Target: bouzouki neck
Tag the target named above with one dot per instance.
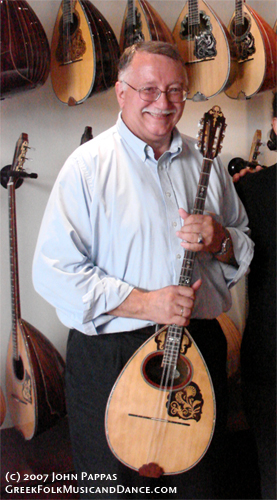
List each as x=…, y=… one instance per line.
x=239, y=13
x=211, y=136
x=193, y=13
x=18, y=161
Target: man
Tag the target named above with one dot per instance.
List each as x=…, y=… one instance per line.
x=109, y=257
x=258, y=352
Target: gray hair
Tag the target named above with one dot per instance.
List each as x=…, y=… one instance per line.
x=152, y=47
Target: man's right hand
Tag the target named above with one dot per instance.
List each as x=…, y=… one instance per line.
x=170, y=305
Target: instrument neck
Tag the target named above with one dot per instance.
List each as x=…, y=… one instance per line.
x=175, y=332
x=15, y=294
x=193, y=13
x=239, y=13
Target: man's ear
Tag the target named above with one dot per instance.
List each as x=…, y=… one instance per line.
x=120, y=93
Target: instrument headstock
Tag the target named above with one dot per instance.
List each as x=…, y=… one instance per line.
x=211, y=133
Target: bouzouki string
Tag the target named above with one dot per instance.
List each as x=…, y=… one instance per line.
x=174, y=333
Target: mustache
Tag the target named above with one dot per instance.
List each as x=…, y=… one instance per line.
x=159, y=112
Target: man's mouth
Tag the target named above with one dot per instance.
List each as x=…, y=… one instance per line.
x=159, y=112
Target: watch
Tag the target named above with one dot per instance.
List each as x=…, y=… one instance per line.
x=225, y=246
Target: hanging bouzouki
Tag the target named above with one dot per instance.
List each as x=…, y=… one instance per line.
x=84, y=52
x=205, y=45
x=141, y=23
x=34, y=368
x=256, y=47
x=25, y=53
x=160, y=415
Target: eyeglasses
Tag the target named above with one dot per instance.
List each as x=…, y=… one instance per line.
x=151, y=94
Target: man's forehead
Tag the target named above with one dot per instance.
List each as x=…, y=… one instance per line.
x=144, y=62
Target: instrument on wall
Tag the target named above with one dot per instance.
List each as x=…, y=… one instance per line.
x=34, y=368
x=160, y=415
x=205, y=45
x=84, y=52
x=141, y=23
x=25, y=53
x=87, y=135
x=256, y=45
x=237, y=164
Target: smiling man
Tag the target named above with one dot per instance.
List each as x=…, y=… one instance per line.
x=109, y=257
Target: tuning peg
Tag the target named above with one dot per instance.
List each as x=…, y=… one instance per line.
x=197, y=145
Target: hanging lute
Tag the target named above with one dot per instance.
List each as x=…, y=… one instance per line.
x=160, y=415
x=256, y=47
x=84, y=52
x=205, y=45
x=25, y=53
x=34, y=368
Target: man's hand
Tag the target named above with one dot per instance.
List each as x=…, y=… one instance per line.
x=170, y=305
x=244, y=171
x=200, y=227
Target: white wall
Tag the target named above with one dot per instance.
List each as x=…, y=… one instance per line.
x=55, y=131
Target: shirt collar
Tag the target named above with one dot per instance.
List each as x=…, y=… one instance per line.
x=140, y=147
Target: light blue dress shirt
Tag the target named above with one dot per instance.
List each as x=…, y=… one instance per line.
x=110, y=225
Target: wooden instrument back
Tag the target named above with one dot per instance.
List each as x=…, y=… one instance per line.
x=25, y=53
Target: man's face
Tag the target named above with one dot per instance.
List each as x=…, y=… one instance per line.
x=151, y=121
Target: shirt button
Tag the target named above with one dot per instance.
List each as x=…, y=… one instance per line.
x=174, y=224
x=178, y=256
x=160, y=167
x=168, y=194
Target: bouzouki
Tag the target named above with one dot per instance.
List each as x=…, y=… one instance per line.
x=25, y=53
x=141, y=23
x=160, y=415
x=237, y=164
x=256, y=47
x=205, y=45
x=84, y=52
x=34, y=368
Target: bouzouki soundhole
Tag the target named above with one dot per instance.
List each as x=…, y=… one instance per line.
x=166, y=378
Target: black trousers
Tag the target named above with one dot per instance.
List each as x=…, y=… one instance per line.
x=93, y=365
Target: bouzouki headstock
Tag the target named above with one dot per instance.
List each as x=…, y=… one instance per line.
x=20, y=153
x=211, y=133
x=14, y=174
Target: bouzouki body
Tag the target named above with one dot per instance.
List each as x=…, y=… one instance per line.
x=141, y=23
x=34, y=368
x=256, y=46
x=25, y=53
x=138, y=415
x=160, y=415
x=84, y=52
x=34, y=382
x=205, y=45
